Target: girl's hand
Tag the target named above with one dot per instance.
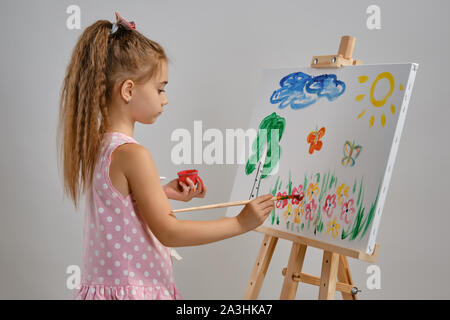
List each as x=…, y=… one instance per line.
x=256, y=212
x=177, y=190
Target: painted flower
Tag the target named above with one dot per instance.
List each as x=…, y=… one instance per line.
x=312, y=190
x=297, y=191
x=282, y=203
x=333, y=227
x=310, y=210
x=347, y=210
x=287, y=212
x=298, y=212
x=330, y=204
x=342, y=192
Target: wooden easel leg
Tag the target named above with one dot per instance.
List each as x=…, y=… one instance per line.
x=260, y=267
x=345, y=277
x=328, y=278
x=295, y=265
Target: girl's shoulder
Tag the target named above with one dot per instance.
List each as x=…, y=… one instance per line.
x=119, y=157
x=121, y=151
x=130, y=159
x=128, y=152
x=133, y=159
x=121, y=147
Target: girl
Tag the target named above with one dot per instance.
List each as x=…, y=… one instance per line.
x=116, y=76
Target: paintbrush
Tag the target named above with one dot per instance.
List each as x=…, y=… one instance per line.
x=236, y=203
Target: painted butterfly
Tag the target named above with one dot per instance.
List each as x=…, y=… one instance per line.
x=314, y=139
x=351, y=152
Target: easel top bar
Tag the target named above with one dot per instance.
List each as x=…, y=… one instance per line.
x=342, y=58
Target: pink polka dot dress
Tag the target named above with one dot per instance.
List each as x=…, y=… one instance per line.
x=122, y=259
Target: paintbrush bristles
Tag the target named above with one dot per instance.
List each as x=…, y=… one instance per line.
x=292, y=196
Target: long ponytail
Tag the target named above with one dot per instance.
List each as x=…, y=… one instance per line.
x=98, y=61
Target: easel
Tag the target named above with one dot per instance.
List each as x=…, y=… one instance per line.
x=334, y=263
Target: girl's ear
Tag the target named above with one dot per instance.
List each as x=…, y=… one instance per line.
x=126, y=90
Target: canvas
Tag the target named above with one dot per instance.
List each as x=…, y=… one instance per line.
x=331, y=136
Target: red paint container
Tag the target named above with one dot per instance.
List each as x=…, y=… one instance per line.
x=192, y=175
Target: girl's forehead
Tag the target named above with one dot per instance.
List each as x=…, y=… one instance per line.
x=163, y=70
x=161, y=77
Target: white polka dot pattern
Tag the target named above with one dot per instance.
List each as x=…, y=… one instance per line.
x=122, y=258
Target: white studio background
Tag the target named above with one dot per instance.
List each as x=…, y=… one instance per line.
x=218, y=50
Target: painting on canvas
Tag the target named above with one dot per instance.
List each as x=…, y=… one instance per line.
x=330, y=136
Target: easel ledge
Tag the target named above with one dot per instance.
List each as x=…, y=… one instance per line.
x=360, y=255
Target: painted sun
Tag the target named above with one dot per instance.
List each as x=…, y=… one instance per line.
x=376, y=102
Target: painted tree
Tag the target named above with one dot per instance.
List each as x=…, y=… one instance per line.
x=266, y=149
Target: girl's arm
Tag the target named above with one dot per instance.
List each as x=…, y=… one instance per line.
x=143, y=178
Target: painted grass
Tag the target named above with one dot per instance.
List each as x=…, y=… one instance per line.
x=328, y=184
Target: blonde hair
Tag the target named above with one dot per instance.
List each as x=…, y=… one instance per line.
x=99, y=60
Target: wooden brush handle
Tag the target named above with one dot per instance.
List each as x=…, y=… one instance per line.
x=218, y=205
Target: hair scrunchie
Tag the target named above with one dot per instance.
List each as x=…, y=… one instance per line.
x=124, y=23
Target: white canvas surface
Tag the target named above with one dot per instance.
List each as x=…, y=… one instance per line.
x=346, y=177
